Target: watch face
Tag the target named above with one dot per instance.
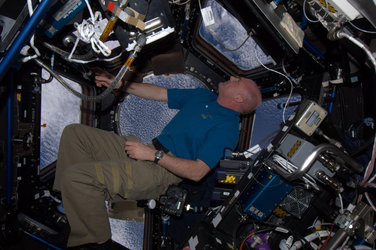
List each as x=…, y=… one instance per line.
x=159, y=154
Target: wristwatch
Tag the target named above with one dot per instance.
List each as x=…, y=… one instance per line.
x=158, y=156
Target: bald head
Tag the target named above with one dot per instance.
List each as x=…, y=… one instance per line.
x=252, y=96
x=239, y=94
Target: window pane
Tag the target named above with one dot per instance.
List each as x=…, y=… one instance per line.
x=59, y=108
x=231, y=34
x=269, y=116
x=147, y=118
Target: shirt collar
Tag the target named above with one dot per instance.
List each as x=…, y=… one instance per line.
x=227, y=110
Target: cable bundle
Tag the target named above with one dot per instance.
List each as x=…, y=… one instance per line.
x=89, y=31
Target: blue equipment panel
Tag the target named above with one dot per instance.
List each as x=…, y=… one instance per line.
x=264, y=194
x=60, y=14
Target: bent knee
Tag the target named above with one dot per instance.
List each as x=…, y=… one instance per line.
x=76, y=173
x=71, y=129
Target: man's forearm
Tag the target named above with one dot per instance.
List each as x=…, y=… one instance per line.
x=147, y=91
x=193, y=170
x=190, y=169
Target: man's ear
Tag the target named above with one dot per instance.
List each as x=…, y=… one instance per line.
x=238, y=98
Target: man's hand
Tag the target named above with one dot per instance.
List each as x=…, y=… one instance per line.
x=143, y=90
x=139, y=151
x=104, y=79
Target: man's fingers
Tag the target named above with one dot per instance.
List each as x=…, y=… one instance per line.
x=130, y=143
x=102, y=82
x=105, y=81
x=104, y=78
x=129, y=149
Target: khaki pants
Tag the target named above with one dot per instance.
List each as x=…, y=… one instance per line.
x=92, y=167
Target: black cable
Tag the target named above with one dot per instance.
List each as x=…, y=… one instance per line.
x=270, y=135
x=237, y=227
x=362, y=148
x=147, y=9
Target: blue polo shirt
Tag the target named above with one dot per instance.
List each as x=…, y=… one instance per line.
x=202, y=129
